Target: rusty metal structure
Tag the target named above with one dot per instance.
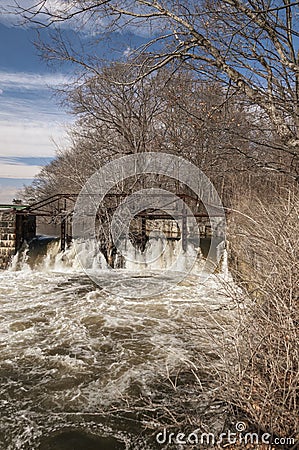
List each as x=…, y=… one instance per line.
x=59, y=210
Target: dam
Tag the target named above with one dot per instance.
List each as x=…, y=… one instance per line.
x=19, y=224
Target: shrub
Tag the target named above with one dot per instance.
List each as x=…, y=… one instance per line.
x=263, y=381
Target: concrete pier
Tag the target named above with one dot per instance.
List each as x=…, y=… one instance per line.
x=15, y=230
x=7, y=237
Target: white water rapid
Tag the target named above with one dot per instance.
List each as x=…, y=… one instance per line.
x=83, y=368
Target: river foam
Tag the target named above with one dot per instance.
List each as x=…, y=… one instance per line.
x=74, y=357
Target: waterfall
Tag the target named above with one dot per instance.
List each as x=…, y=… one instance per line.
x=20, y=260
x=50, y=258
x=159, y=254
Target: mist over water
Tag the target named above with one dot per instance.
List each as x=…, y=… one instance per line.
x=84, y=368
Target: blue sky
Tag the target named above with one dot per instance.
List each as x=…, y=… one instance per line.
x=31, y=123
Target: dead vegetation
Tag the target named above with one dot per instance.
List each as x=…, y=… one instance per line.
x=262, y=370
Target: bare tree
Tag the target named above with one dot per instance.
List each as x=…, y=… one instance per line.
x=170, y=111
x=249, y=46
x=128, y=111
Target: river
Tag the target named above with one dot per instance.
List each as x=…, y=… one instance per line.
x=82, y=368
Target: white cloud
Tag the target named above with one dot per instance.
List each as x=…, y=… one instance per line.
x=9, y=9
x=29, y=122
x=11, y=15
x=31, y=81
x=38, y=108
x=10, y=188
x=61, y=7
x=128, y=52
x=28, y=140
x=8, y=194
x=87, y=24
x=18, y=171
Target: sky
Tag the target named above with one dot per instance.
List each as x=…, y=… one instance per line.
x=32, y=124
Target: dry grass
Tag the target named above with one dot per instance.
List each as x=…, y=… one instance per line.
x=262, y=378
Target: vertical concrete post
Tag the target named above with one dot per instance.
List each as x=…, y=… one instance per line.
x=63, y=234
x=7, y=237
x=15, y=229
x=63, y=226
x=184, y=228
x=143, y=233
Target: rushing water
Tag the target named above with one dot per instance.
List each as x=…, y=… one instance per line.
x=85, y=369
